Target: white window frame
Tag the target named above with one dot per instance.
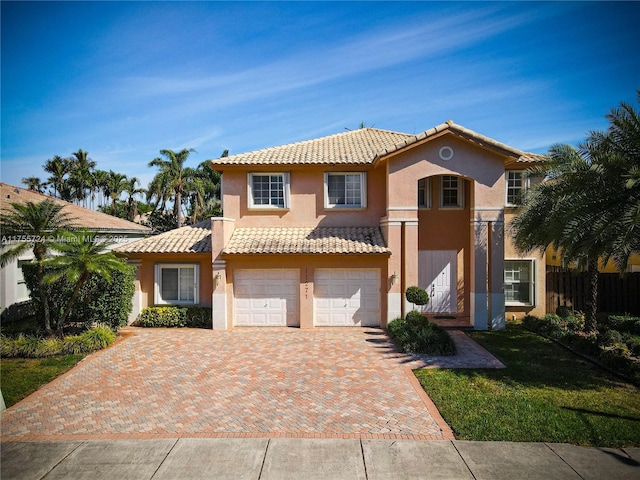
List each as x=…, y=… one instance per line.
x=425, y=201
x=460, y=194
x=532, y=283
x=363, y=191
x=523, y=187
x=158, y=300
x=285, y=192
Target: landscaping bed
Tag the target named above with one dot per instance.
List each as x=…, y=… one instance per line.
x=545, y=394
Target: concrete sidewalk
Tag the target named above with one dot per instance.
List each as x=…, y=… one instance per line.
x=302, y=459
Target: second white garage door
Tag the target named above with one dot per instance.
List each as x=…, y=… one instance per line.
x=266, y=297
x=347, y=297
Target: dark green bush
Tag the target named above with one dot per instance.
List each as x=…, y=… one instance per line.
x=420, y=336
x=417, y=296
x=17, y=311
x=24, y=346
x=621, y=323
x=163, y=317
x=415, y=318
x=194, y=317
x=199, y=317
x=563, y=311
x=102, y=301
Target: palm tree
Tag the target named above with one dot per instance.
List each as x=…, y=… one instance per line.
x=80, y=175
x=115, y=184
x=58, y=167
x=131, y=190
x=37, y=226
x=34, y=183
x=204, y=191
x=172, y=177
x=82, y=256
x=560, y=212
x=99, y=184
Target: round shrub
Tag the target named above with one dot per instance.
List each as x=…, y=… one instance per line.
x=415, y=318
x=417, y=296
x=563, y=311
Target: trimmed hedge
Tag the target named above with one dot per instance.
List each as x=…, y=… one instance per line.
x=415, y=334
x=101, y=301
x=172, y=317
x=24, y=346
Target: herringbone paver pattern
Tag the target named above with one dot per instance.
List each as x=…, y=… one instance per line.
x=246, y=382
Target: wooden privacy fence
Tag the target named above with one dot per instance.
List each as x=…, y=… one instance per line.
x=616, y=294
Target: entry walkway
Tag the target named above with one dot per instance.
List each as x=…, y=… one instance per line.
x=312, y=459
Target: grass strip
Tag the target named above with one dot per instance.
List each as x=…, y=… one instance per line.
x=19, y=377
x=546, y=394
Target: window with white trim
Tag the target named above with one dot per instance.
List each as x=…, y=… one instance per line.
x=177, y=283
x=517, y=183
x=345, y=190
x=519, y=282
x=451, y=191
x=268, y=190
x=424, y=193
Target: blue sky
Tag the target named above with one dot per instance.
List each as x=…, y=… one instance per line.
x=123, y=80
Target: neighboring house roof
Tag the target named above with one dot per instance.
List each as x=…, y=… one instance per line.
x=364, y=146
x=194, y=238
x=307, y=240
x=80, y=216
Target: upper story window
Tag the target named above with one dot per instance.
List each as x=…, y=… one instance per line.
x=268, y=190
x=517, y=183
x=424, y=193
x=345, y=190
x=177, y=283
x=451, y=192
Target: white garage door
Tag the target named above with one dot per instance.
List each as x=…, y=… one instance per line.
x=347, y=297
x=266, y=298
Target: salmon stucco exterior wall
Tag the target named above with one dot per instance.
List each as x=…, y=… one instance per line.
x=332, y=231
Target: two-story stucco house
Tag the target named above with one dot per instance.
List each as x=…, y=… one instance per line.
x=331, y=232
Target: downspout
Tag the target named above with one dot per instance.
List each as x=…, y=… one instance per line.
x=489, y=272
x=403, y=272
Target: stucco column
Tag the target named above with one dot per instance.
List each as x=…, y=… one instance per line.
x=410, y=260
x=496, y=279
x=479, y=272
x=391, y=231
x=221, y=230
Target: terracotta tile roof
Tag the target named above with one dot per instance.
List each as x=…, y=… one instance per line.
x=349, y=148
x=80, y=216
x=465, y=133
x=194, y=238
x=307, y=240
x=361, y=147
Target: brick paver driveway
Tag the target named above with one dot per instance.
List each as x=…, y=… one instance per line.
x=247, y=382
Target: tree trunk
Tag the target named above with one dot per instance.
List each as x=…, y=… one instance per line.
x=45, y=300
x=590, y=324
x=179, y=208
x=67, y=309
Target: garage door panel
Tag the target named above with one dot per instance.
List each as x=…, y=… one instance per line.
x=347, y=297
x=266, y=297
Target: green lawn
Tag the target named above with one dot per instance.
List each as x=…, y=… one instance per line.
x=21, y=376
x=546, y=394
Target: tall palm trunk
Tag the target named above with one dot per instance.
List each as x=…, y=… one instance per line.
x=45, y=300
x=72, y=300
x=590, y=324
x=179, y=207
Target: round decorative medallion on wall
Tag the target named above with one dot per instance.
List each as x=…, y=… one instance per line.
x=446, y=152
